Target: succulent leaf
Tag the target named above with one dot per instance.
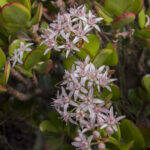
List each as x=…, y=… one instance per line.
x=2, y=59
x=123, y=20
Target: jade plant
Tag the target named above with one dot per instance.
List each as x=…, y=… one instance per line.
x=79, y=53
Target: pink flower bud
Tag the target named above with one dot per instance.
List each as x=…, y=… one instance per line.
x=109, y=130
x=101, y=146
x=96, y=134
x=77, y=139
x=100, y=121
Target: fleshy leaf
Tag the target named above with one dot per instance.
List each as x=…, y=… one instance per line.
x=38, y=15
x=106, y=56
x=47, y=126
x=136, y=6
x=2, y=59
x=123, y=20
x=3, y=2
x=146, y=82
x=69, y=62
x=2, y=89
x=90, y=48
x=129, y=132
x=25, y=72
x=7, y=72
x=16, y=13
x=142, y=18
x=116, y=7
x=44, y=67
x=26, y=3
x=145, y=132
x=103, y=13
x=33, y=58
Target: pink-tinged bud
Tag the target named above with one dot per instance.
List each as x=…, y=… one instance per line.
x=77, y=139
x=101, y=146
x=96, y=134
x=100, y=121
x=109, y=130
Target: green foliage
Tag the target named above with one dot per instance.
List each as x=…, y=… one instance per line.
x=68, y=62
x=2, y=89
x=130, y=132
x=123, y=20
x=142, y=18
x=2, y=59
x=146, y=83
x=90, y=48
x=16, y=15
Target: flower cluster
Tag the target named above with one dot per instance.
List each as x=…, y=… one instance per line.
x=80, y=103
x=69, y=29
x=18, y=53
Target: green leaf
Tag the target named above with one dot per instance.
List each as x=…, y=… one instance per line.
x=44, y=67
x=90, y=48
x=16, y=13
x=26, y=3
x=146, y=82
x=3, y=2
x=2, y=59
x=142, y=18
x=146, y=134
x=33, y=58
x=47, y=126
x=25, y=72
x=116, y=7
x=107, y=56
x=123, y=20
x=129, y=132
x=136, y=6
x=7, y=72
x=103, y=13
x=127, y=146
x=2, y=89
x=68, y=62
x=37, y=16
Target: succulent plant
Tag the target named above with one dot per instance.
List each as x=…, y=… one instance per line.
x=15, y=15
x=119, y=13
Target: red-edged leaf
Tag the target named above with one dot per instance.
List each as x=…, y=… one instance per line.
x=49, y=67
x=38, y=15
x=7, y=72
x=15, y=13
x=123, y=20
x=2, y=89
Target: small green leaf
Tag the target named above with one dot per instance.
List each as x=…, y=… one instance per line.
x=146, y=134
x=123, y=20
x=107, y=56
x=7, y=72
x=142, y=18
x=26, y=3
x=146, y=82
x=2, y=59
x=16, y=13
x=136, y=6
x=3, y=2
x=37, y=16
x=25, y=72
x=103, y=13
x=47, y=126
x=2, y=89
x=68, y=62
x=90, y=48
x=44, y=67
x=34, y=57
x=117, y=7
x=129, y=132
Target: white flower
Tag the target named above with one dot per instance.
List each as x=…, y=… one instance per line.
x=16, y=58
